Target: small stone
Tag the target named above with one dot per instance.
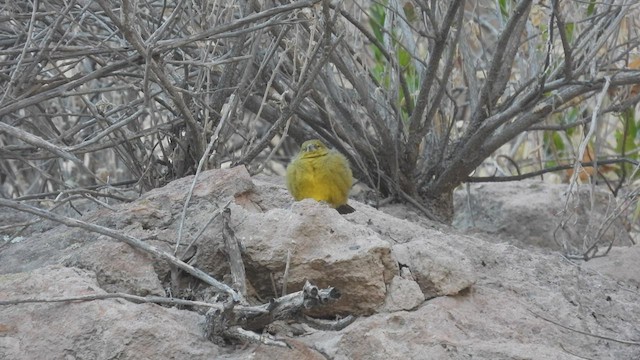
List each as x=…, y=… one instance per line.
x=402, y=294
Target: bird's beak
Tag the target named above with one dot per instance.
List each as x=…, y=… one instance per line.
x=311, y=147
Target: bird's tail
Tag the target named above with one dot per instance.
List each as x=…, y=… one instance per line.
x=345, y=209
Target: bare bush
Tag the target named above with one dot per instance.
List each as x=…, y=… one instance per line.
x=418, y=94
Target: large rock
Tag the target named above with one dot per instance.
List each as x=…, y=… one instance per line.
x=539, y=214
x=424, y=253
x=118, y=267
x=439, y=269
x=524, y=305
x=402, y=294
x=100, y=329
x=621, y=263
x=324, y=248
x=108, y=328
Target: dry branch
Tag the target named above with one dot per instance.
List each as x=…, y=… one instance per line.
x=609, y=338
x=417, y=96
x=234, y=256
x=231, y=321
x=289, y=306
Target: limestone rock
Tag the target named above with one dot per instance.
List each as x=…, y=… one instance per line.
x=450, y=328
x=325, y=249
x=529, y=214
x=403, y=294
x=522, y=306
x=100, y=329
x=118, y=267
x=622, y=263
x=438, y=269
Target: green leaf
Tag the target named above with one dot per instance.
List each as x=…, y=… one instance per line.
x=629, y=122
x=571, y=116
x=569, y=27
x=558, y=141
x=377, y=16
x=630, y=143
x=591, y=9
x=404, y=58
x=504, y=7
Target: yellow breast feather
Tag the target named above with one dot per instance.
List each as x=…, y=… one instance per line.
x=321, y=174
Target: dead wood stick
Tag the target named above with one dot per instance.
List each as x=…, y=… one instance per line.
x=250, y=311
x=201, y=231
x=132, y=298
x=39, y=142
x=239, y=333
x=329, y=325
x=285, y=276
x=233, y=254
x=621, y=341
x=213, y=140
x=288, y=306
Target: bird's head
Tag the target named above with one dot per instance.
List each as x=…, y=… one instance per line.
x=313, y=148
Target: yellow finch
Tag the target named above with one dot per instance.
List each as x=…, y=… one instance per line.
x=322, y=174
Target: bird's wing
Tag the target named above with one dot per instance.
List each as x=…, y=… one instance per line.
x=341, y=175
x=292, y=178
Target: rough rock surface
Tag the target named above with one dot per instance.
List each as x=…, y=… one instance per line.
x=103, y=329
x=118, y=267
x=485, y=298
x=323, y=247
x=539, y=214
x=107, y=329
x=523, y=306
x=622, y=263
x=438, y=269
x=403, y=294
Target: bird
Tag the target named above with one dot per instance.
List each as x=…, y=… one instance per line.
x=320, y=173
